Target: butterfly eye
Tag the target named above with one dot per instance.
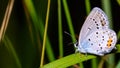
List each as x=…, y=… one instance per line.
x=76, y=44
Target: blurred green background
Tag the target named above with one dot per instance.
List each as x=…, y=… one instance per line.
x=21, y=46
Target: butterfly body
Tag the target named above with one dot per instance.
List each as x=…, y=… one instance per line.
x=95, y=36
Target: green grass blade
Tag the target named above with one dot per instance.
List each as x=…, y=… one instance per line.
x=45, y=34
x=118, y=35
x=60, y=29
x=69, y=20
x=88, y=6
x=38, y=24
x=118, y=2
x=118, y=48
x=68, y=61
x=11, y=49
x=94, y=63
x=118, y=65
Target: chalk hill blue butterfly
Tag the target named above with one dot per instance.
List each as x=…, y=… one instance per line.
x=95, y=36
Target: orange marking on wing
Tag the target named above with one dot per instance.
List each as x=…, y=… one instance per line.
x=103, y=23
x=109, y=42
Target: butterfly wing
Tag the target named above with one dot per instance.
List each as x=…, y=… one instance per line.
x=95, y=20
x=99, y=42
x=95, y=36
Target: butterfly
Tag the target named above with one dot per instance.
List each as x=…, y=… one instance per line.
x=96, y=37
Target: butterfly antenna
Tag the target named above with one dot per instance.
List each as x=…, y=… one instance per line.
x=75, y=44
x=67, y=33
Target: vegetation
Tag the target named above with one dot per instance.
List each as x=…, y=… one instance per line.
x=34, y=35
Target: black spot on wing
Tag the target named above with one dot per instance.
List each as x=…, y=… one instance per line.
x=97, y=27
x=89, y=39
x=96, y=32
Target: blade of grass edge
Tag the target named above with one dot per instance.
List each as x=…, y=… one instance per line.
x=60, y=29
x=88, y=6
x=118, y=65
x=118, y=2
x=6, y=18
x=69, y=20
x=11, y=49
x=45, y=34
x=38, y=23
x=69, y=60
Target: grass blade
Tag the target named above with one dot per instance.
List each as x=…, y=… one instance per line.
x=68, y=61
x=69, y=20
x=11, y=49
x=38, y=24
x=45, y=34
x=60, y=29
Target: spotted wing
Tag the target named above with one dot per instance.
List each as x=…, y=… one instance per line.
x=100, y=42
x=97, y=19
